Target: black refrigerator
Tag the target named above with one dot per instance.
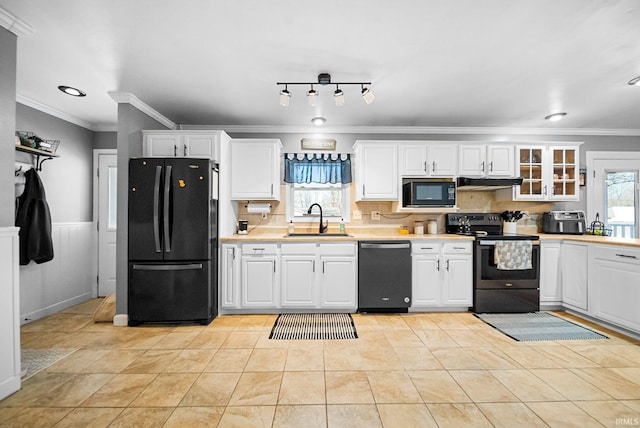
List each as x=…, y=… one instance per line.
x=172, y=240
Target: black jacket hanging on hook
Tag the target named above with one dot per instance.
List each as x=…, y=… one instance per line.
x=34, y=220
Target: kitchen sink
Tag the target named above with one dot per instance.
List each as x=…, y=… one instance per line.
x=315, y=235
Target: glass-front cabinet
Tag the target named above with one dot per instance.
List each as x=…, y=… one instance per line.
x=550, y=173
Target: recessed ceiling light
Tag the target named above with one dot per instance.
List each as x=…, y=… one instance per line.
x=555, y=117
x=635, y=81
x=72, y=91
x=318, y=121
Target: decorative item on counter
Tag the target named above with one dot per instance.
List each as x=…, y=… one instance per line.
x=597, y=228
x=433, y=227
x=243, y=226
x=418, y=228
x=404, y=230
x=342, y=227
x=292, y=227
x=509, y=219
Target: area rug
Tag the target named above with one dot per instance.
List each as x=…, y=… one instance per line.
x=313, y=327
x=538, y=326
x=34, y=361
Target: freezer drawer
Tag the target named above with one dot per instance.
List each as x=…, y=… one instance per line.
x=177, y=292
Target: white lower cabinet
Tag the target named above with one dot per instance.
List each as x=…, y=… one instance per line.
x=298, y=281
x=574, y=259
x=304, y=275
x=614, y=285
x=550, y=290
x=260, y=282
x=338, y=276
x=442, y=274
x=230, y=276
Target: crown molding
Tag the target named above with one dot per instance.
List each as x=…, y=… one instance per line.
x=14, y=24
x=29, y=102
x=129, y=98
x=421, y=130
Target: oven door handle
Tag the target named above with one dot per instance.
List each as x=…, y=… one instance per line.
x=493, y=242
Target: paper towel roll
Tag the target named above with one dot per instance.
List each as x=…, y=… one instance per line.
x=258, y=208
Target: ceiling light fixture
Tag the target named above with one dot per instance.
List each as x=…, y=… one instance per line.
x=367, y=95
x=72, y=91
x=318, y=121
x=555, y=117
x=338, y=97
x=312, y=97
x=285, y=97
x=324, y=79
x=635, y=81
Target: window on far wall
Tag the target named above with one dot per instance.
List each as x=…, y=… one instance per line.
x=333, y=198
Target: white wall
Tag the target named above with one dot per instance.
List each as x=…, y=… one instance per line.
x=68, y=279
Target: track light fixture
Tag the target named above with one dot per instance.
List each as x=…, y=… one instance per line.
x=324, y=79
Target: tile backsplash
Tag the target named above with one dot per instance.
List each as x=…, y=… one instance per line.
x=467, y=202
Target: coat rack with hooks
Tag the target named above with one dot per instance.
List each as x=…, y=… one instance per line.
x=40, y=156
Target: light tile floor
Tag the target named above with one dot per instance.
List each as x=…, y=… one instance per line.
x=411, y=370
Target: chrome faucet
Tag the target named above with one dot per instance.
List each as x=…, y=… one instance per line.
x=322, y=228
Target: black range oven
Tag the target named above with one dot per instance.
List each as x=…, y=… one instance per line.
x=497, y=289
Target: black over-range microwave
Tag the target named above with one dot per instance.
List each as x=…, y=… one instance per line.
x=428, y=192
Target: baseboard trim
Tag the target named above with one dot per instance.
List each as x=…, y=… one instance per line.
x=9, y=386
x=52, y=309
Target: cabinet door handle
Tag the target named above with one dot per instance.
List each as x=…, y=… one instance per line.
x=175, y=150
x=313, y=266
x=447, y=265
x=458, y=248
x=424, y=166
x=544, y=190
x=363, y=190
x=233, y=254
x=323, y=266
x=433, y=166
x=482, y=166
x=426, y=248
x=184, y=150
x=491, y=166
x=274, y=266
x=626, y=256
x=271, y=189
x=438, y=265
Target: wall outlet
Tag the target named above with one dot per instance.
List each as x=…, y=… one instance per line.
x=357, y=215
x=375, y=215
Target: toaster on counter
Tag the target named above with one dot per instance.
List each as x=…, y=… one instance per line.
x=564, y=222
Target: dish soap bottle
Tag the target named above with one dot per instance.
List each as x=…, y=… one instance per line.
x=342, y=229
x=292, y=227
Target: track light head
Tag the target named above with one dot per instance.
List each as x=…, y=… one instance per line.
x=367, y=95
x=285, y=97
x=312, y=97
x=338, y=97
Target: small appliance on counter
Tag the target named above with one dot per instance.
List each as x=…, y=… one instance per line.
x=564, y=222
x=243, y=226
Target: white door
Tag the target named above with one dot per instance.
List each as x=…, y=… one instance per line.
x=615, y=195
x=107, y=192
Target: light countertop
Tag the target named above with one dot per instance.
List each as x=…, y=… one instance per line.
x=372, y=234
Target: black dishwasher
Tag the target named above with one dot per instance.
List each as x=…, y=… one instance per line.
x=384, y=276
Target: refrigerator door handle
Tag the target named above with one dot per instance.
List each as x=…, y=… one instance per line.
x=189, y=266
x=166, y=219
x=156, y=209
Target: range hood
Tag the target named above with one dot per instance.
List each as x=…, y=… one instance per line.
x=487, y=184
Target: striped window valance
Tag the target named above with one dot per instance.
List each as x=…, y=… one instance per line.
x=317, y=168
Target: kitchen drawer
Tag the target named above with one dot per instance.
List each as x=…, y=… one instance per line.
x=425, y=247
x=457, y=247
x=338, y=249
x=258, y=249
x=306, y=248
x=616, y=254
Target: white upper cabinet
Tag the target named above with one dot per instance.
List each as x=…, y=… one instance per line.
x=422, y=159
x=255, y=169
x=182, y=144
x=485, y=160
x=376, y=168
x=550, y=173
